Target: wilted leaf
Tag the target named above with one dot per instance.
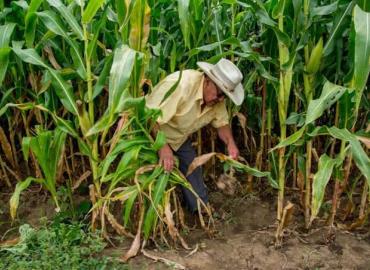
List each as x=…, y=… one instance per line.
x=135, y=246
x=14, y=200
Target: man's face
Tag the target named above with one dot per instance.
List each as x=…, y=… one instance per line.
x=212, y=94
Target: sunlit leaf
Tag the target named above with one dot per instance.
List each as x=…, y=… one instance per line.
x=320, y=180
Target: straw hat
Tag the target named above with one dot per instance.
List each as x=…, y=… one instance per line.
x=227, y=77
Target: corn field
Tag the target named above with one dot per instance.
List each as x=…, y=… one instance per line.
x=74, y=73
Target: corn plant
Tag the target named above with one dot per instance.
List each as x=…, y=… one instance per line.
x=48, y=149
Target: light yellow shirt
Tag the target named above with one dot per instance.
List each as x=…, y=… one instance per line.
x=182, y=112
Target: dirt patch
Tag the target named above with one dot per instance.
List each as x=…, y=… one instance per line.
x=245, y=240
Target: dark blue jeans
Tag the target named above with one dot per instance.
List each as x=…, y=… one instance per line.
x=186, y=155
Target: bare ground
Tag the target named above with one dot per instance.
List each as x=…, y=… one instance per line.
x=244, y=239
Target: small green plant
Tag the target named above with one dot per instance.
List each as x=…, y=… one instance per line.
x=47, y=146
x=57, y=246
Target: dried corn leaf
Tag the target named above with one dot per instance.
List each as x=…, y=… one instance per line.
x=170, y=263
x=243, y=123
x=135, y=246
x=286, y=219
x=51, y=58
x=9, y=243
x=5, y=145
x=84, y=176
x=365, y=141
x=199, y=161
x=94, y=214
x=174, y=233
x=118, y=227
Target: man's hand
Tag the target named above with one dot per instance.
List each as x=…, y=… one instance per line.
x=226, y=136
x=233, y=151
x=166, y=158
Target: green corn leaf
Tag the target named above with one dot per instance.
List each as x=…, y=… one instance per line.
x=364, y=5
x=22, y=106
x=320, y=180
x=122, y=10
x=5, y=34
x=14, y=200
x=197, y=8
x=139, y=25
x=54, y=24
x=26, y=147
x=278, y=9
x=337, y=28
x=260, y=11
x=250, y=170
x=128, y=207
x=329, y=95
x=132, y=103
x=362, y=52
x=30, y=22
x=360, y=157
x=100, y=25
x=173, y=88
x=4, y=61
x=291, y=139
x=325, y=10
x=55, y=150
x=68, y=16
x=184, y=16
x=126, y=145
x=5, y=98
x=210, y=47
x=106, y=121
x=160, y=140
x=281, y=36
x=151, y=215
x=149, y=156
x=68, y=128
x=101, y=82
x=173, y=57
x=30, y=56
x=62, y=88
x=91, y=9
x=123, y=63
x=39, y=146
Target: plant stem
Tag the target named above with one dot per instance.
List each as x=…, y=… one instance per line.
x=94, y=141
x=307, y=201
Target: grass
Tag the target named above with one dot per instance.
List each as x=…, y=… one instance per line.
x=57, y=246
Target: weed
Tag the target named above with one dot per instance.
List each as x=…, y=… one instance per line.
x=57, y=246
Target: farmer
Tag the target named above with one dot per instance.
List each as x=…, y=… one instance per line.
x=197, y=101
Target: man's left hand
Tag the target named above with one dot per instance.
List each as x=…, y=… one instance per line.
x=233, y=151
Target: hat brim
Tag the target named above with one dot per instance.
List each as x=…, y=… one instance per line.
x=237, y=96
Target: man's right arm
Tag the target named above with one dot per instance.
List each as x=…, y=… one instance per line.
x=166, y=157
x=168, y=108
